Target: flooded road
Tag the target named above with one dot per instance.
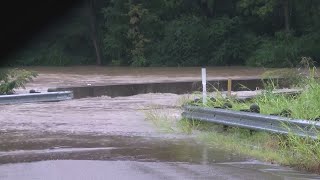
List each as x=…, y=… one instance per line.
x=110, y=138
x=121, y=115
x=66, y=156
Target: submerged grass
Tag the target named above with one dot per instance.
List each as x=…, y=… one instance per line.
x=290, y=150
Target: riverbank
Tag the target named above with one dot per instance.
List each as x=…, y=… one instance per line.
x=291, y=150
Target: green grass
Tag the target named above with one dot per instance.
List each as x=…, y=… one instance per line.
x=299, y=153
x=161, y=120
x=289, y=150
x=303, y=106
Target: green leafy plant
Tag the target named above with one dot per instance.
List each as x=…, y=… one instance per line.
x=11, y=79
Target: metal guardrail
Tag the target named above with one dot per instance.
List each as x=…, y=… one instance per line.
x=37, y=97
x=253, y=121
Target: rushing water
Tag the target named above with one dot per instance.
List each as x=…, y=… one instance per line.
x=109, y=138
x=51, y=77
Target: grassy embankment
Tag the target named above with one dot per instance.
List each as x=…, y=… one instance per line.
x=291, y=150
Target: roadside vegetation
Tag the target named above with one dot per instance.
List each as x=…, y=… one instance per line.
x=301, y=105
x=289, y=150
x=11, y=79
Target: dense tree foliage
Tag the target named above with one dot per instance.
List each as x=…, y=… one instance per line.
x=270, y=33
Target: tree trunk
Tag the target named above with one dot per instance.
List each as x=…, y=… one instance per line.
x=286, y=15
x=93, y=32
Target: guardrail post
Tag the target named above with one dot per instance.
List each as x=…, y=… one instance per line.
x=204, y=85
x=229, y=86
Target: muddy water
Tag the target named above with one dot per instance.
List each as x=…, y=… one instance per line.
x=109, y=138
x=99, y=115
x=65, y=156
x=51, y=77
x=149, y=71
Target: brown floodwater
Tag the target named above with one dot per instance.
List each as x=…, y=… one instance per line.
x=52, y=77
x=160, y=71
x=90, y=156
x=110, y=138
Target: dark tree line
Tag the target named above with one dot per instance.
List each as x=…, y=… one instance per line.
x=270, y=33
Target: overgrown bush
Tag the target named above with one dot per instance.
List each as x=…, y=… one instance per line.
x=282, y=51
x=11, y=79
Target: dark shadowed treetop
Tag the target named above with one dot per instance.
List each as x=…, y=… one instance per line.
x=269, y=33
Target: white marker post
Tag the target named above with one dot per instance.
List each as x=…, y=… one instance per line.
x=204, y=85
